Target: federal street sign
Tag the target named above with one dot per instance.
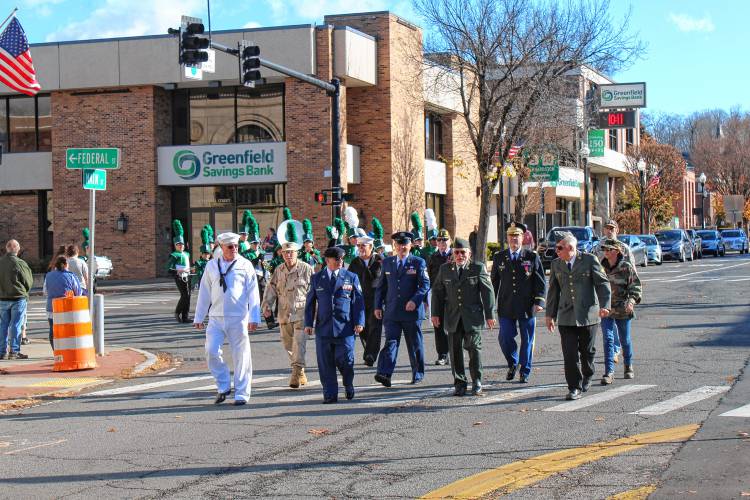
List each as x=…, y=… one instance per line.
x=94, y=178
x=596, y=142
x=108, y=158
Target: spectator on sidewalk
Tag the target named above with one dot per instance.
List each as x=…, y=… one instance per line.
x=56, y=284
x=15, y=282
x=77, y=266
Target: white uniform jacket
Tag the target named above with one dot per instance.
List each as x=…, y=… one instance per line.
x=241, y=301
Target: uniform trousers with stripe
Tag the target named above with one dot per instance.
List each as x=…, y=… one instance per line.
x=509, y=329
x=414, y=345
x=234, y=331
x=578, y=341
x=335, y=353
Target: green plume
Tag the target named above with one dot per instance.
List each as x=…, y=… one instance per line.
x=210, y=232
x=246, y=215
x=206, y=238
x=329, y=232
x=416, y=221
x=291, y=232
x=86, y=234
x=252, y=226
x=377, y=229
x=307, y=229
x=177, y=228
x=340, y=226
x=287, y=214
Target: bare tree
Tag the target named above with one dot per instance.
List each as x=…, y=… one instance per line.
x=407, y=172
x=510, y=58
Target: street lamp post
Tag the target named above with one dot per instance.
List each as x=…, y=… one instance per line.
x=704, y=194
x=585, y=152
x=642, y=181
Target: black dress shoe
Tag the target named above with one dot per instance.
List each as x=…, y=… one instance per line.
x=524, y=379
x=442, y=361
x=239, y=402
x=511, y=372
x=574, y=394
x=328, y=401
x=369, y=361
x=586, y=384
x=350, y=393
x=460, y=391
x=18, y=355
x=221, y=397
x=386, y=381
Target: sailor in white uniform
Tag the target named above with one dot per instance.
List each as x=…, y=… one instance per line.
x=229, y=297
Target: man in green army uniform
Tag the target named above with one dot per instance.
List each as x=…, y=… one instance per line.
x=463, y=296
x=178, y=265
x=308, y=253
x=207, y=236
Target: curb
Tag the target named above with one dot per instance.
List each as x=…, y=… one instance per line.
x=145, y=365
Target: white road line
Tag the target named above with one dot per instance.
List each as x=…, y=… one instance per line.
x=712, y=270
x=42, y=445
x=682, y=400
x=599, y=398
x=742, y=411
x=181, y=392
x=151, y=385
x=738, y=279
x=514, y=394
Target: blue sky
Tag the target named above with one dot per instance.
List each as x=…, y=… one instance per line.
x=698, y=51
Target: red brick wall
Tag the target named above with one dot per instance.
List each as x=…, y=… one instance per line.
x=19, y=221
x=137, y=122
x=462, y=178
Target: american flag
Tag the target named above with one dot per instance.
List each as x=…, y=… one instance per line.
x=653, y=182
x=16, y=67
x=514, y=150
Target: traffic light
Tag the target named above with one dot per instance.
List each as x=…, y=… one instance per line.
x=192, y=45
x=249, y=63
x=321, y=198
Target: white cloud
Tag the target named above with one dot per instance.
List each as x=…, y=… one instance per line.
x=251, y=24
x=117, y=18
x=687, y=24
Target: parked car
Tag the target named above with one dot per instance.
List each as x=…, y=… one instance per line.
x=675, y=244
x=697, y=243
x=735, y=240
x=712, y=242
x=637, y=248
x=653, y=249
x=588, y=241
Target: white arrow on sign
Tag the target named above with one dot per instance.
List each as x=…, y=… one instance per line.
x=72, y=158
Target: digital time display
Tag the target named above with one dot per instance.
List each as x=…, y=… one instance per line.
x=617, y=119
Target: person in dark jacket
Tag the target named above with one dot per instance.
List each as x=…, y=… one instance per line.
x=518, y=280
x=442, y=255
x=57, y=284
x=367, y=266
x=15, y=282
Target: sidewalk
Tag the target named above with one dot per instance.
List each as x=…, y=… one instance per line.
x=26, y=379
x=118, y=286
x=715, y=462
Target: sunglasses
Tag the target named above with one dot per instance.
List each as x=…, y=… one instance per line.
x=459, y=252
x=231, y=245
x=559, y=247
x=442, y=239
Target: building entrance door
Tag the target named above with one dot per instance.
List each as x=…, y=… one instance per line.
x=221, y=219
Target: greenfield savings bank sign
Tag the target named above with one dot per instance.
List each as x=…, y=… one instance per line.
x=252, y=163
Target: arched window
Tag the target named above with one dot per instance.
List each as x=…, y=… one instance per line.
x=252, y=133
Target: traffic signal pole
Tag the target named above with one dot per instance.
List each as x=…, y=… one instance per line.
x=333, y=89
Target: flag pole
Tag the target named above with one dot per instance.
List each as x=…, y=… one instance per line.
x=10, y=16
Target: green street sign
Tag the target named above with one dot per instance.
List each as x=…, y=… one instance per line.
x=76, y=158
x=544, y=173
x=95, y=179
x=596, y=142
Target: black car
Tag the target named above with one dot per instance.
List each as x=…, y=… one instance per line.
x=588, y=241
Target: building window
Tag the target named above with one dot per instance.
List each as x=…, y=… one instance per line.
x=613, y=139
x=629, y=135
x=433, y=136
x=437, y=203
x=25, y=124
x=237, y=114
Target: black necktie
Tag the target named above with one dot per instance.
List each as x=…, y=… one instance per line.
x=400, y=266
x=460, y=272
x=570, y=266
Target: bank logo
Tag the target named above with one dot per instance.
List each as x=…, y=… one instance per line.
x=186, y=164
x=607, y=95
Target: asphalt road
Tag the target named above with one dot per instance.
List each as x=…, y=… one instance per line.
x=691, y=342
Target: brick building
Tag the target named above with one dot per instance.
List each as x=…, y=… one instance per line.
x=203, y=151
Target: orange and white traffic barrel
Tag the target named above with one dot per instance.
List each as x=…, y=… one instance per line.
x=72, y=337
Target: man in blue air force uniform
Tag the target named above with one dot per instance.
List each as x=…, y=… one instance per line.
x=399, y=298
x=336, y=309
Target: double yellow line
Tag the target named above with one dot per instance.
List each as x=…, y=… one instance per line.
x=523, y=473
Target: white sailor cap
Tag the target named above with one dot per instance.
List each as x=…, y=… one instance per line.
x=364, y=240
x=228, y=238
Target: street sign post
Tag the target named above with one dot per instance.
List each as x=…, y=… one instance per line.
x=76, y=158
x=596, y=143
x=94, y=179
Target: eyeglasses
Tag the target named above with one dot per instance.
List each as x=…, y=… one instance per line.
x=459, y=252
x=231, y=245
x=559, y=248
x=442, y=239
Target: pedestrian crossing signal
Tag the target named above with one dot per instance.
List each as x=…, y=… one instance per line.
x=321, y=198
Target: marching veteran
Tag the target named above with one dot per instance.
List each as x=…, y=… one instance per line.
x=578, y=297
x=336, y=310
x=399, y=297
x=462, y=297
x=288, y=287
x=228, y=295
x=518, y=280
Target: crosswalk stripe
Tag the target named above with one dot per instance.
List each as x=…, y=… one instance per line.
x=599, y=398
x=212, y=387
x=151, y=385
x=742, y=411
x=682, y=400
x=514, y=394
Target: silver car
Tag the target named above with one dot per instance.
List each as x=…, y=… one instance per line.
x=735, y=240
x=637, y=248
x=653, y=249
